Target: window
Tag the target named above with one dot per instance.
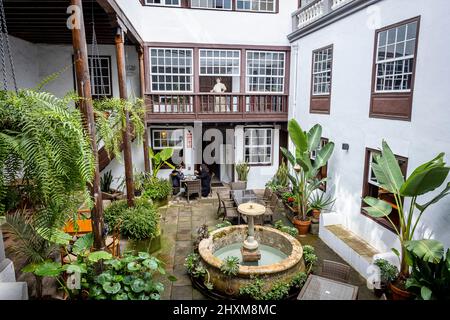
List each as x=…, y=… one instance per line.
x=220, y=62
x=394, y=64
x=101, y=81
x=171, y=70
x=212, y=4
x=173, y=138
x=265, y=71
x=258, y=146
x=321, y=73
x=323, y=172
x=256, y=5
x=173, y=3
x=372, y=188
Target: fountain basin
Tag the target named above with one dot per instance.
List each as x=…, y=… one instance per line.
x=287, y=248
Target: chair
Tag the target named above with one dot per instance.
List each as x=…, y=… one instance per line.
x=230, y=213
x=335, y=271
x=112, y=242
x=228, y=203
x=267, y=194
x=271, y=208
x=239, y=185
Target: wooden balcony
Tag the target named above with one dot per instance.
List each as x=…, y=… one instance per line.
x=211, y=107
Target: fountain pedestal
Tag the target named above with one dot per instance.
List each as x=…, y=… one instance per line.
x=249, y=250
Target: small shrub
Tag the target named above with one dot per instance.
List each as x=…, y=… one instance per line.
x=388, y=272
x=299, y=280
x=230, y=266
x=223, y=224
x=253, y=290
x=191, y=262
x=309, y=255
x=279, y=291
x=138, y=222
x=286, y=229
x=157, y=189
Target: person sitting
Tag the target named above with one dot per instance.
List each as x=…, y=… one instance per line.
x=177, y=175
x=205, y=178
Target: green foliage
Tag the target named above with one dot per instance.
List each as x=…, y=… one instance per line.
x=43, y=143
x=110, y=116
x=430, y=276
x=105, y=182
x=304, y=182
x=279, y=291
x=310, y=257
x=425, y=178
x=286, y=229
x=253, y=290
x=280, y=180
x=156, y=189
x=191, y=262
x=388, y=272
x=159, y=159
x=202, y=233
x=242, y=170
x=230, y=266
x=138, y=222
x=196, y=269
x=223, y=224
x=299, y=280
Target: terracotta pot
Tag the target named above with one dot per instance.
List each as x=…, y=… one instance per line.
x=316, y=214
x=399, y=294
x=302, y=226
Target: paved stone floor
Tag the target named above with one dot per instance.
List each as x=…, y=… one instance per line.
x=180, y=221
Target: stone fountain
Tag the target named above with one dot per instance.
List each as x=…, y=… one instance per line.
x=250, y=248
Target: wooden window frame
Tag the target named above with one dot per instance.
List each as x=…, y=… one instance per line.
x=321, y=103
x=365, y=189
x=261, y=164
x=393, y=105
x=158, y=149
x=248, y=76
x=186, y=4
x=111, y=86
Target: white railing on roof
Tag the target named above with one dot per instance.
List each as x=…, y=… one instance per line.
x=315, y=10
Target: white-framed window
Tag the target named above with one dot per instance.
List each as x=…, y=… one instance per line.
x=100, y=72
x=372, y=179
x=256, y=5
x=212, y=4
x=258, y=144
x=321, y=74
x=167, y=138
x=395, y=58
x=171, y=70
x=220, y=62
x=170, y=3
x=265, y=71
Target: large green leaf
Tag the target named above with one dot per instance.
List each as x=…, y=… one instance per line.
x=166, y=154
x=426, y=177
x=314, y=135
x=288, y=155
x=111, y=287
x=298, y=136
x=441, y=195
x=324, y=155
x=427, y=249
x=83, y=244
x=54, y=235
x=75, y=268
x=99, y=255
x=389, y=164
x=426, y=293
x=48, y=269
x=138, y=285
x=377, y=208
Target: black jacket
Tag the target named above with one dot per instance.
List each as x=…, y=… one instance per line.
x=206, y=181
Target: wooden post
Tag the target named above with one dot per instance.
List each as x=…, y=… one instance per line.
x=121, y=71
x=86, y=107
x=142, y=80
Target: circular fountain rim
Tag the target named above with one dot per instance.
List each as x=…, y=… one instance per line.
x=293, y=259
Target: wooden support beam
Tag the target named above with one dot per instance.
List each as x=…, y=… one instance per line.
x=122, y=75
x=86, y=107
x=142, y=83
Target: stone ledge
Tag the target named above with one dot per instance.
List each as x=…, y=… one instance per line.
x=356, y=243
x=13, y=291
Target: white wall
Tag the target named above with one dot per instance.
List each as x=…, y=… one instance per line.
x=258, y=176
x=169, y=24
x=419, y=140
x=26, y=68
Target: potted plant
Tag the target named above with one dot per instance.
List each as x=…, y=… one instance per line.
x=320, y=202
x=424, y=179
x=388, y=273
x=305, y=181
x=242, y=170
x=430, y=276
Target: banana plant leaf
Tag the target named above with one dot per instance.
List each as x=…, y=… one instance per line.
x=377, y=208
x=83, y=244
x=441, y=195
x=389, y=165
x=428, y=250
x=324, y=155
x=298, y=136
x=314, y=135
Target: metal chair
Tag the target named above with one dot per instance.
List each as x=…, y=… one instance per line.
x=230, y=213
x=335, y=271
x=239, y=185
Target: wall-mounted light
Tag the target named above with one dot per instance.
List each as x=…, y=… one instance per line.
x=345, y=146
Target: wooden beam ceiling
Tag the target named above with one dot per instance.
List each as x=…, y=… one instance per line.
x=44, y=21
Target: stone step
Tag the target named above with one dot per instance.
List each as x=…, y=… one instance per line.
x=352, y=248
x=13, y=291
x=7, y=273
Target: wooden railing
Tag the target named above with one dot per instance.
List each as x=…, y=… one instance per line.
x=216, y=107
x=315, y=10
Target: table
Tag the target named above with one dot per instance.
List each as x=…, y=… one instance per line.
x=320, y=288
x=192, y=186
x=243, y=196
